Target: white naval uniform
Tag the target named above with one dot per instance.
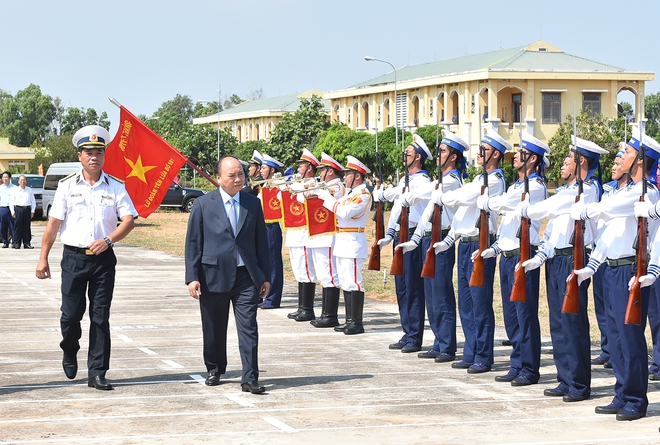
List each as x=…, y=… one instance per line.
x=320, y=247
x=350, y=250
x=450, y=181
x=416, y=180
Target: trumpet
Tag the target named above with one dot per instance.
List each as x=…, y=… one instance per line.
x=319, y=186
x=276, y=180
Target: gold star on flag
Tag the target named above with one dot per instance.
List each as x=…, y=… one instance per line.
x=138, y=170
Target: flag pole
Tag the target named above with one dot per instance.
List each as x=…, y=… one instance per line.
x=199, y=170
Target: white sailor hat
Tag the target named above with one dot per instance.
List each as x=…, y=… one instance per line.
x=271, y=162
x=587, y=148
x=257, y=158
x=91, y=136
x=534, y=145
x=496, y=141
x=420, y=147
x=352, y=163
x=453, y=141
x=651, y=145
x=307, y=156
x=327, y=161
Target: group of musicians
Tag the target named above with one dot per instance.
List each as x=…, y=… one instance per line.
x=325, y=220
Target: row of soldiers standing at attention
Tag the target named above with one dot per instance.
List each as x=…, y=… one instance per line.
x=325, y=221
x=606, y=217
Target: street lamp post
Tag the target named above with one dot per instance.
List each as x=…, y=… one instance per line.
x=396, y=127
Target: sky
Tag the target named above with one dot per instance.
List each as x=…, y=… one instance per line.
x=145, y=52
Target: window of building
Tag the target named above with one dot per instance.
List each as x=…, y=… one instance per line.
x=431, y=108
x=591, y=103
x=551, y=108
x=516, y=107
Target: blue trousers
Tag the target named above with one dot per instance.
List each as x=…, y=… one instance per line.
x=92, y=276
x=410, y=297
x=441, y=300
x=274, y=297
x=599, y=306
x=628, y=353
x=571, y=343
x=521, y=320
x=6, y=225
x=654, y=324
x=475, y=307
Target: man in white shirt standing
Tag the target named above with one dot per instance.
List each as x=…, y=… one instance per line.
x=6, y=221
x=21, y=206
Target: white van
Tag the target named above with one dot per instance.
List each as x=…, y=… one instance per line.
x=55, y=173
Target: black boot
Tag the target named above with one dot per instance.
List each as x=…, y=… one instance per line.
x=330, y=306
x=307, y=309
x=347, y=305
x=300, y=292
x=357, y=307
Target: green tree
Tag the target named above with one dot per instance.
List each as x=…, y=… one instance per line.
x=607, y=133
x=75, y=118
x=57, y=148
x=244, y=151
x=652, y=113
x=173, y=117
x=200, y=142
x=299, y=130
x=27, y=117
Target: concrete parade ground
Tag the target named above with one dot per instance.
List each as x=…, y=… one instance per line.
x=323, y=387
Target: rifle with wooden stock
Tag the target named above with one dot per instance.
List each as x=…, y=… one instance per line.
x=519, y=289
x=428, y=271
x=379, y=218
x=478, y=272
x=634, y=308
x=571, y=303
x=397, y=260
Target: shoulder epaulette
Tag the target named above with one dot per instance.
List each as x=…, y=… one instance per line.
x=116, y=179
x=540, y=180
x=455, y=176
x=68, y=177
x=499, y=175
x=589, y=181
x=426, y=175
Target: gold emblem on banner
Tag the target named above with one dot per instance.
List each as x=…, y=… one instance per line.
x=296, y=208
x=321, y=215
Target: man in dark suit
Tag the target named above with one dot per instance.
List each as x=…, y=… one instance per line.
x=223, y=264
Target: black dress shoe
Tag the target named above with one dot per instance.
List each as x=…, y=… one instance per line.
x=461, y=365
x=608, y=365
x=409, y=349
x=559, y=391
x=253, y=386
x=521, y=380
x=213, y=379
x=630, y=415
x=70, y=366
x=99, y=382
x=397, y=345
x=508, y=377
x=574, y=398
x=4, y=246
x=506, y=343
x=608, y=409
x=28, y=247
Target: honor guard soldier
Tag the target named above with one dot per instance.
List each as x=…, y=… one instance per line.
x=84, y=212
x=439, y=289
x=6, y=221
x=521, y=319
x=350, y=251
x=253, y=174
x=410, y=286
x=569, y=332
x=322, y=227
x=271, y=203
x=297, y=236
x=628, y=352
x=475, y=303
x=619, y=181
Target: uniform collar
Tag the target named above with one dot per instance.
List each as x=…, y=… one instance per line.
x=104, y=177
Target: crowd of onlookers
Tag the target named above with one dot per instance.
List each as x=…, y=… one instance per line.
x=17, y=206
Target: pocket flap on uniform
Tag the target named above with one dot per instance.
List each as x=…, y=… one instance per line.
x=209, y=260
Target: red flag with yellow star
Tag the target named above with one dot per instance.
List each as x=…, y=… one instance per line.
x=144, y=161
x=320, y=221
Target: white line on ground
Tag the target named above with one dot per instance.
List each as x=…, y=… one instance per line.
x=198, y=378
x=173, y=364
x=125, y=338
x=279, y=424
x=238, y=399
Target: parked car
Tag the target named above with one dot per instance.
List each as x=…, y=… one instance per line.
x=36, y=183
x=55, y=173
x=181, y=197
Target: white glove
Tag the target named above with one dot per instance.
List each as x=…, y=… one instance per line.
x=489, y=253
x=385, y=241
x=441, y=247
x=378, y=193
x=642, y=209
x=323, y=194
x=409, y=199
x=407, y=246
x=583, y=274
x=533, y=263
x=521, y=210
x=578, y=208
x=436, y=196
x=482, y=200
